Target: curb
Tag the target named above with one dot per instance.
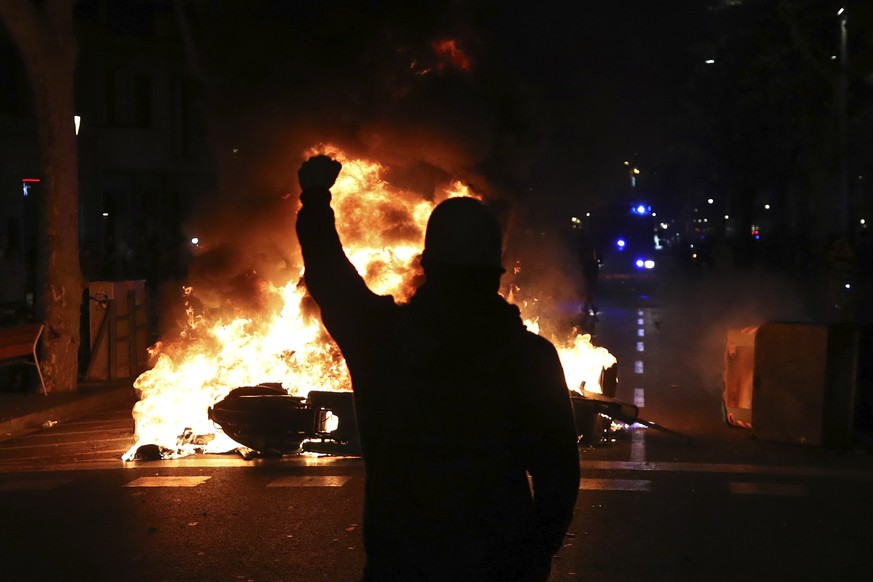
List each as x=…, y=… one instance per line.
x=62, y=412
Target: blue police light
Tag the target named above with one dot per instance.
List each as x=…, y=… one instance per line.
x=641, y=210
x=620, y=244
x=647, y=264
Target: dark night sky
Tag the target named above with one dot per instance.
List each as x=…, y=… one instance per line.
x=557, y=95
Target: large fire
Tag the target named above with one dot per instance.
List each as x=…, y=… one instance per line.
x=382, y=229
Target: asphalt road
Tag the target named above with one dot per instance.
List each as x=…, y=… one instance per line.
x=724, y=506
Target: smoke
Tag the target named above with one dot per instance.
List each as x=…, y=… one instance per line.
x=542, y=276
x=705, y=306
x=389, y=92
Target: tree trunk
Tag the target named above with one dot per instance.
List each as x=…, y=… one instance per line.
x=47, y=43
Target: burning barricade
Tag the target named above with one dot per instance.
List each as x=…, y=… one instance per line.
x=205, y=392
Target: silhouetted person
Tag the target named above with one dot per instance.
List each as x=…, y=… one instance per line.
x=457, y=403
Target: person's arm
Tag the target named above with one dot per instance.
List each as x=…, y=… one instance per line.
x=553, y=454
x=338, y=289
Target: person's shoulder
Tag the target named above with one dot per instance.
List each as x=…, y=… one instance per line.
x=537, y=343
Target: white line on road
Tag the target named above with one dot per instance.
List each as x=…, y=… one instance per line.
x=33, y=484
x=641, y=333
x=638, y=446
x=73, y=430
x=615, y=484
x=168, y=481
x=785, y=489
x=639, y=367
x=641, y=346
x=639, y=398
x=127, y=439
x=42, y=465
x=728, y=468
x=311, y=481
x=356, y=464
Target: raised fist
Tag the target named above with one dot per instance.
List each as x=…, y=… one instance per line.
x=318, y=172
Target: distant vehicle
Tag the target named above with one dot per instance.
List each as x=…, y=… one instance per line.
x=625, y=236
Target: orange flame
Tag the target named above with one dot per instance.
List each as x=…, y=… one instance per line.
x=382, y=229
x=450, y=53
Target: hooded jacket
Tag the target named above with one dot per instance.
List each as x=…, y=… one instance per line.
x=465, y=421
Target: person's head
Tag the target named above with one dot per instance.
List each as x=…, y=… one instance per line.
x=463, y=245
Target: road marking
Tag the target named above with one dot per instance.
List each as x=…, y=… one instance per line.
x=311, y=481
x=641, y=333
x=129, y=439
x=91, y=459
x=639, y=398
x=641, y=347
x=727, y=468
x=641, y=321
x=615, y=484
x=168, y=481
x=72, y=430
x=33, y=484
x=638, y=446
x=42, y=465
x=784, y=489
x=640, y=312
x=639, y=367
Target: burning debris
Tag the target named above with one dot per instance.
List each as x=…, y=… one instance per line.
x=268, y=421
x=205, y=382
x=601, y=419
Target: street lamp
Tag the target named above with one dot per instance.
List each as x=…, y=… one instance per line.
x=842, y=104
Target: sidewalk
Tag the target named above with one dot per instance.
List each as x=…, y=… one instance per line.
x=21, y=413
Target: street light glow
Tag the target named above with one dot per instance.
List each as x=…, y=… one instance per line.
x=840, y=11
x=710, y=61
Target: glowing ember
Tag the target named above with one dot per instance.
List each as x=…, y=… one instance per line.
x=448, y=50
x=382, y=229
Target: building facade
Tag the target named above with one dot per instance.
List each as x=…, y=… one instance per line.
x=142, y=150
